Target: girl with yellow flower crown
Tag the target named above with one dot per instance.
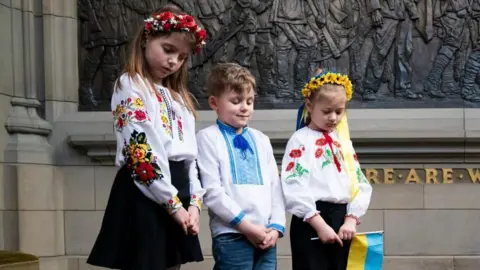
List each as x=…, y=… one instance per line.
x=151, y=221
x=324, y=188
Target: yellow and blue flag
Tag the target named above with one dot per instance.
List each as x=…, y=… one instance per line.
x=366, y=252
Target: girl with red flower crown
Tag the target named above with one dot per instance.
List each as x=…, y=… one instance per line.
x=324, y=187
x=151, y=221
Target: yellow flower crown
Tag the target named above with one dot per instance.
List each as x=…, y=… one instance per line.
x=328, y=77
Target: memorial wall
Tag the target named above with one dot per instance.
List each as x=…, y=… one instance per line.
x=414, y=117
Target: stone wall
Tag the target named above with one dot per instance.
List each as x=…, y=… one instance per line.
x=427, y=226
x=56, y=164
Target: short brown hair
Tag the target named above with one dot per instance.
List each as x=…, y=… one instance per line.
x=229, y=76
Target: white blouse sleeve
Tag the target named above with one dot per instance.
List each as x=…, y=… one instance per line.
x=196, y=189
x=359, y=205
x=216, y=199
x=295, y=177
x=277, y=219
x=143, y=149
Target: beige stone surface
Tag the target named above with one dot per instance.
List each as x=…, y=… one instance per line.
x=458, y=196
x=104, y=177
x=418, y=263
x=6, y=57
x=39, y=188
x=397, y=197
x=81, y=230
x=466, y=262
x=432, y=232
x=55, y=263
x=79, y=187
x=8, y=230
x=41, y=232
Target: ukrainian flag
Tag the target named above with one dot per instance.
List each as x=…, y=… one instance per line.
x=366, y=252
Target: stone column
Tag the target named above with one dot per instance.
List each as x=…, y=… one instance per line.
x=37, y=184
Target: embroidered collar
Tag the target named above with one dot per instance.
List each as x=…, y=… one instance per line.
x=239, y=140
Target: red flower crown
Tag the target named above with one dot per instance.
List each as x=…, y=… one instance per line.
x=168, y=22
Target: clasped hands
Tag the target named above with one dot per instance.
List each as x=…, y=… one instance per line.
x=189, y=221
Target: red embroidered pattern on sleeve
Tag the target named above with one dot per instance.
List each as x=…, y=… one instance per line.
x=172, y=205
x=130, y=110
x=195, y=201
x=141, y=160
x=294, y=168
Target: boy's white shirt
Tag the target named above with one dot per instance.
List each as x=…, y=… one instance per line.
x=230, y=203
x=320, y=180
x=176, y=144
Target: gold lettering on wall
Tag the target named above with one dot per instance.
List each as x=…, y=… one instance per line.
x=430, y=176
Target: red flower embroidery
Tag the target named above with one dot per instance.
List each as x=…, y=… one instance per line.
x=290, y=166
x=140, y=115
x=296, y=153
x=355, y=157
x=194, y=196
x=159, y=98
x=321, y=142
x=145, y=172
x=337, y=144
x=319, y=153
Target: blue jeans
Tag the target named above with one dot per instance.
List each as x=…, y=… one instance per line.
x=233, y=251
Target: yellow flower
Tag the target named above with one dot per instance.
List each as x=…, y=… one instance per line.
x=120, y=109
x=333, y=78
x=164, y=119
x=138, y=152
x=139, y=102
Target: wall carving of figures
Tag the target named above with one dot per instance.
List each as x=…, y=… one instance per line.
x=398, y=53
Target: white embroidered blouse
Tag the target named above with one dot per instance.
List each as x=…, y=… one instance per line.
x=313, y=170
x=239, y=184
x=151, y=129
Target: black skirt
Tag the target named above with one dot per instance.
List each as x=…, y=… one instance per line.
x=308, y=254
x=139, y=234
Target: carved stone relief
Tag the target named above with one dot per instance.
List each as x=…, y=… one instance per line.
x=398, y=53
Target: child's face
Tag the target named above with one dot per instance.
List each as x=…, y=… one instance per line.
x=232, y=108
x=166, y=54
x=329, y=108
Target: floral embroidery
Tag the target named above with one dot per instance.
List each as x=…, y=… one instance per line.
x=195, y=201
x=140, y=159
x=319, y=153
x=180, y=128
x=165, y=113
x=131, y=110
x=172, y=205
x=296, y=169
x=321, y=142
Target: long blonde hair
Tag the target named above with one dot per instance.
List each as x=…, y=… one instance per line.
x=176, y=82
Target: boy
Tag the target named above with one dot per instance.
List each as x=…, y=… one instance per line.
x=240, y=176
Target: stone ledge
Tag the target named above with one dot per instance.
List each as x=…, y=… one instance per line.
x=380, y=136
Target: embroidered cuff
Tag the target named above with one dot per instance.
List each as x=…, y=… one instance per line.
x=195, y=201
x=235, y=221
x=277, y=227
x=173, y=205
x=354, y=217
x=310, y=215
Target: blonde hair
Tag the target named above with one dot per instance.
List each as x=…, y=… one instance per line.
x=229, y=76
x=176, y=82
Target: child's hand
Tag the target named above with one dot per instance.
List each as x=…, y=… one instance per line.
x=328, y=235
x=256, y=234
x=271, y=239
x=194, y=222
x=182, y=218
x=324, y=232
x=348, y=229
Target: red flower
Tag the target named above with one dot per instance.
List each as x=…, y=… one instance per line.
x=164, y=16
x=187, y=22
x=355, y=156
x=337, y=144
x=290, y=166
x=129, y=100
x=194, y=196
x=145, y=172
x=180, y=125
x=120, y=123
x=148, y=26
x=129, y=113
x=318, y=153
x=295, y=153
x=159, y=98
x=140, y=115
x=202, y=34
x=321, y=142
x=167, y=26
